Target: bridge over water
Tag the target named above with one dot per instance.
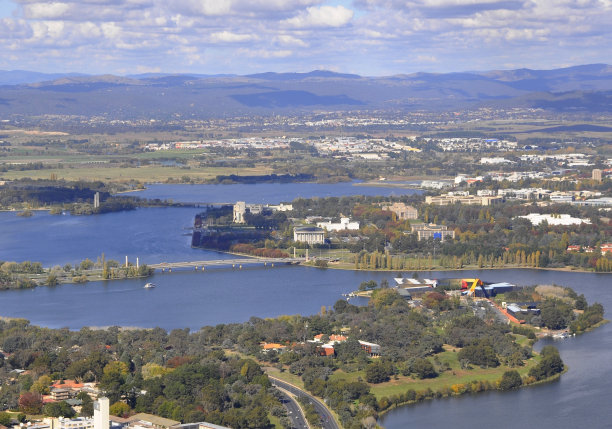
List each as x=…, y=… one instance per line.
x=235, y=263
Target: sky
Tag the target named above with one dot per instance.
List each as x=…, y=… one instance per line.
x=366, y=37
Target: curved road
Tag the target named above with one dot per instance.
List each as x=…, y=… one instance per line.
x=294, y=412
x=327, y=419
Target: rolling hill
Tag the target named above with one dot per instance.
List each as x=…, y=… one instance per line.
x=581, y=88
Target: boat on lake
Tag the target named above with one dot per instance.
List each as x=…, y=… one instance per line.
x=149, y=286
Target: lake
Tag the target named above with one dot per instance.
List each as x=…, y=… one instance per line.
x=265, y=193
x=194, y=299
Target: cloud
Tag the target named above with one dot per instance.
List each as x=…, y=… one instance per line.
x=203, y=7
x=229, y=37
x=426, y=59
x=286, y=39
x=366, y=36
x=324, y=16
x=263, y=53
x=45, y=10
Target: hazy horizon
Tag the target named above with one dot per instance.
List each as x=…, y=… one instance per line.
x=185, y=73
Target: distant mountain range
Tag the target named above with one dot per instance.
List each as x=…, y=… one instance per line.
x=582, y=88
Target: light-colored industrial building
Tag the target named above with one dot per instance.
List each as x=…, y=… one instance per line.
x=447, y=199
x=426, y=231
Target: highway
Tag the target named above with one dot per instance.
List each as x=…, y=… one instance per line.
x=298, y=421
x=327, y=419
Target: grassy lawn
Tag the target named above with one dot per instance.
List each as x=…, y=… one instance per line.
x=455, y=375
x=286, y=376
x=148, y=173
x=275, y=421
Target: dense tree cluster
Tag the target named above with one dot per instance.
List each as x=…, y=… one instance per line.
x=551, y=364
x=193, y=381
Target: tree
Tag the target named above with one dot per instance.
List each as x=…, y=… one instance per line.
x=510, y=380
x=41, y=385
x=87, y=264
x=550, y=364
x=581, y=302
x=480, y=353
x=257, y=418
x=30, y=403
x=87, y=405
x=119, y=409
x=423, y=368
x=377, y=372
x=52, y=280
x=113, y=380
x=5, y=419
x=384, y=297
x=58, y=409
x=555, y=314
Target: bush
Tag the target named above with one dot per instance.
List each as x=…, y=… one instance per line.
x=321, y=263
x=5, y=418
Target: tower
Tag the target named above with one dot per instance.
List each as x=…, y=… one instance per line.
x=101, y=413
x=597, y=174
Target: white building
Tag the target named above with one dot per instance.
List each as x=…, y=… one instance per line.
x=561, y=197
x=309, y=234
x=345, y=224
x=606, y=201
x=554, y=219
x=495, y=160
x=282, y=207
x=76, y=423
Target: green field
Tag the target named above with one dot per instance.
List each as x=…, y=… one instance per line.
x=146, y=173
x=446, y=379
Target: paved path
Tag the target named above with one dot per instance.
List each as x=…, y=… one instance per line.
x=327, y=419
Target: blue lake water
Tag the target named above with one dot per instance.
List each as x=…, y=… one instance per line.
x=270, y=193
x=194, y=299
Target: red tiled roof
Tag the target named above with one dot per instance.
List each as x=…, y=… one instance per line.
x=67, y=384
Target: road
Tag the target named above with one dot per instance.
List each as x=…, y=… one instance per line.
x=298, y=421
x=327, y=419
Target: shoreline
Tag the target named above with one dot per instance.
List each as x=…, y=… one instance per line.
x=434, y=397
x=559, y=269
